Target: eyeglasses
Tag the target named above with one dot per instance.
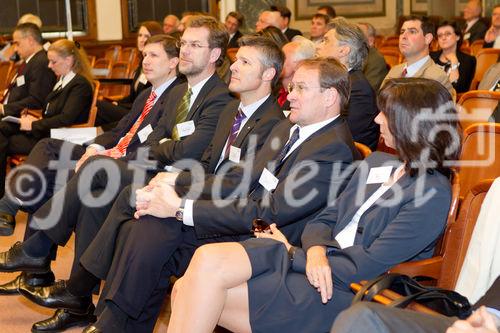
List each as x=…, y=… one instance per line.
x=299, y=87
x=193, y=45
x=445, y=34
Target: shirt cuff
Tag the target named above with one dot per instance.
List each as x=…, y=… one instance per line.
x=96, y=147
x=188, y=213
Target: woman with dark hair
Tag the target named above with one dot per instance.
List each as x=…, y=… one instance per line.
x=275, y=35
x=459, y=66
x=110, y=112
x=392, y=210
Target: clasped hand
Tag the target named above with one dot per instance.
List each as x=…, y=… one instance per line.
x=157, y=199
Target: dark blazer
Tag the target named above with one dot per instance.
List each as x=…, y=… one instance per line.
x=362, y=111
x=259, y=124
x=329, y=147
x=39, y=81
x=466, y=69
x=204, y=112
x=65, y=107
x=290, y=33
x=477, y=31
x=375, y=68
x=233, y=42
x=110, y=139
x=387, y=234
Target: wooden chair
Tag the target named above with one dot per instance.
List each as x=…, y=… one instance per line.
x=392, y=56
x=5, y=69
x=364, y=150
x=391, y=41
x=119, y=70
x=476, y=106
x=484, y=59
x=445, y=267
x=112, y=53
x=130, y=55
x=91, y=60
x=480, y=155
x=476, y=46
x=102, y=68
x=231, y=54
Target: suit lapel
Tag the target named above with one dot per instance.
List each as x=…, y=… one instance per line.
x=250, y=124
x=422, y=69
x=209, y=85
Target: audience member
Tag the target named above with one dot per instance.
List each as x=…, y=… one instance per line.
x=170, y=24
x=414, y=39
x=286, y=16
x=491, y=78
x=235, y=285
x=459, y=66
x=475, y=28
x=296, y=51
x=110, y=112
x=345, y=42
x=327, y=10
x=268, y=18
x=375, y=68
x=233, y=23
x=319, y=28
x=492, y=36
x=8, y=51
x=376, y=318
x=186, y=16
x=274, y=34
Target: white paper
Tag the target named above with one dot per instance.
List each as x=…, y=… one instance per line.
x=268, y=180
x=144, y=133
x=74, y=135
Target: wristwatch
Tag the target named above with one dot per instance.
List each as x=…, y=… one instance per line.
x=291, y=252
x=179, y=214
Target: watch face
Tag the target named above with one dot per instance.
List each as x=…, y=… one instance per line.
x=179, y=215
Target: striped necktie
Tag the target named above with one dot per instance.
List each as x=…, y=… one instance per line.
x=286, y=148
x=182, y=111
x=234, y=131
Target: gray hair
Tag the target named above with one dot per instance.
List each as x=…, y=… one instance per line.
x=369, y=28
x=350, y=34
x=305, y=48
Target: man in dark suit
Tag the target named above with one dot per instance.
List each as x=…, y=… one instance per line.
x=492, y=36
x=474, y=28
x=286, y=16
x=325, y=139
x=372, y=317
x=233, y=23
x=345, y=42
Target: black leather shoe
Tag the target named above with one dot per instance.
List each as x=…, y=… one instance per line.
x=91, y=329
x=32, y=279
x=15, y=259
x=7, y=224
x=56, y=296
x=64, y=319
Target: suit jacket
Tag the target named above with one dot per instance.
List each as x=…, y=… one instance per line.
x=389, y=232
x=290, y=33
x=466, y=69
x=110, y=138
x=330, y=147
x=259, y=124
x=375, y=68
x=204, y=112
x=477, y=31
x=65, y=107
x=429, y=71
x=362, y=110
x=127, y=101
x=233, y=42
x=39, y=81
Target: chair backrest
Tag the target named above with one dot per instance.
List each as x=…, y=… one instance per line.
x=477, y=106
x=129, y=54
x=93, y=108
x=112, y=53
x=458, y=234
x=484, y=59
x=5, y=68
x=102, y=68
x=476, y=46
x=391, y=41
x=392, y=56
x=119, y=70
x=479, y=158
x=364, y=150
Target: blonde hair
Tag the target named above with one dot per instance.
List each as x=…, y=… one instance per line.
x=30, y=18
x=66, y=48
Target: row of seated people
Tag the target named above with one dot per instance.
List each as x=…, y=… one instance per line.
x=315, y=131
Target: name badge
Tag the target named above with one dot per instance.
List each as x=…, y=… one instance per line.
x=142, y=79
x=20, y=81
x=379, y=175
x=467, y=36
x=186, y=128
x=46, y=46
x=286, y=113
x=268, y=180
x=144, y=133
x=234, y=154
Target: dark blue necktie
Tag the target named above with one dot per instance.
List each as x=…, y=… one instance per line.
x=286, y=148
x=234, y=131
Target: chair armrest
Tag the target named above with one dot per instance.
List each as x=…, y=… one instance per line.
x=427, y=267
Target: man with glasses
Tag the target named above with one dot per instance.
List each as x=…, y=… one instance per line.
x=414, y=39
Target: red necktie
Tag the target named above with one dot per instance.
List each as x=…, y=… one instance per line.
x=121, y=147
x=282, y=96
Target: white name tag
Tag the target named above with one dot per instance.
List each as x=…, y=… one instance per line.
x=286, y=113
x=46, y=46
x=234, y=154
x=379, y=175
x=144, y=133
x=20, y=81
x=467, y=36
x=143, y=79
x=268, y=180
x=186, y=128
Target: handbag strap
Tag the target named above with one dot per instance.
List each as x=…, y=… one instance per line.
x=375, y=286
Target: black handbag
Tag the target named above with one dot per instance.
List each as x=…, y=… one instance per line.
x=446, y=302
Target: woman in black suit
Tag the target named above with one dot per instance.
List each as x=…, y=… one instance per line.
x=459, y=66
x=110, y=112
x=392, y=210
